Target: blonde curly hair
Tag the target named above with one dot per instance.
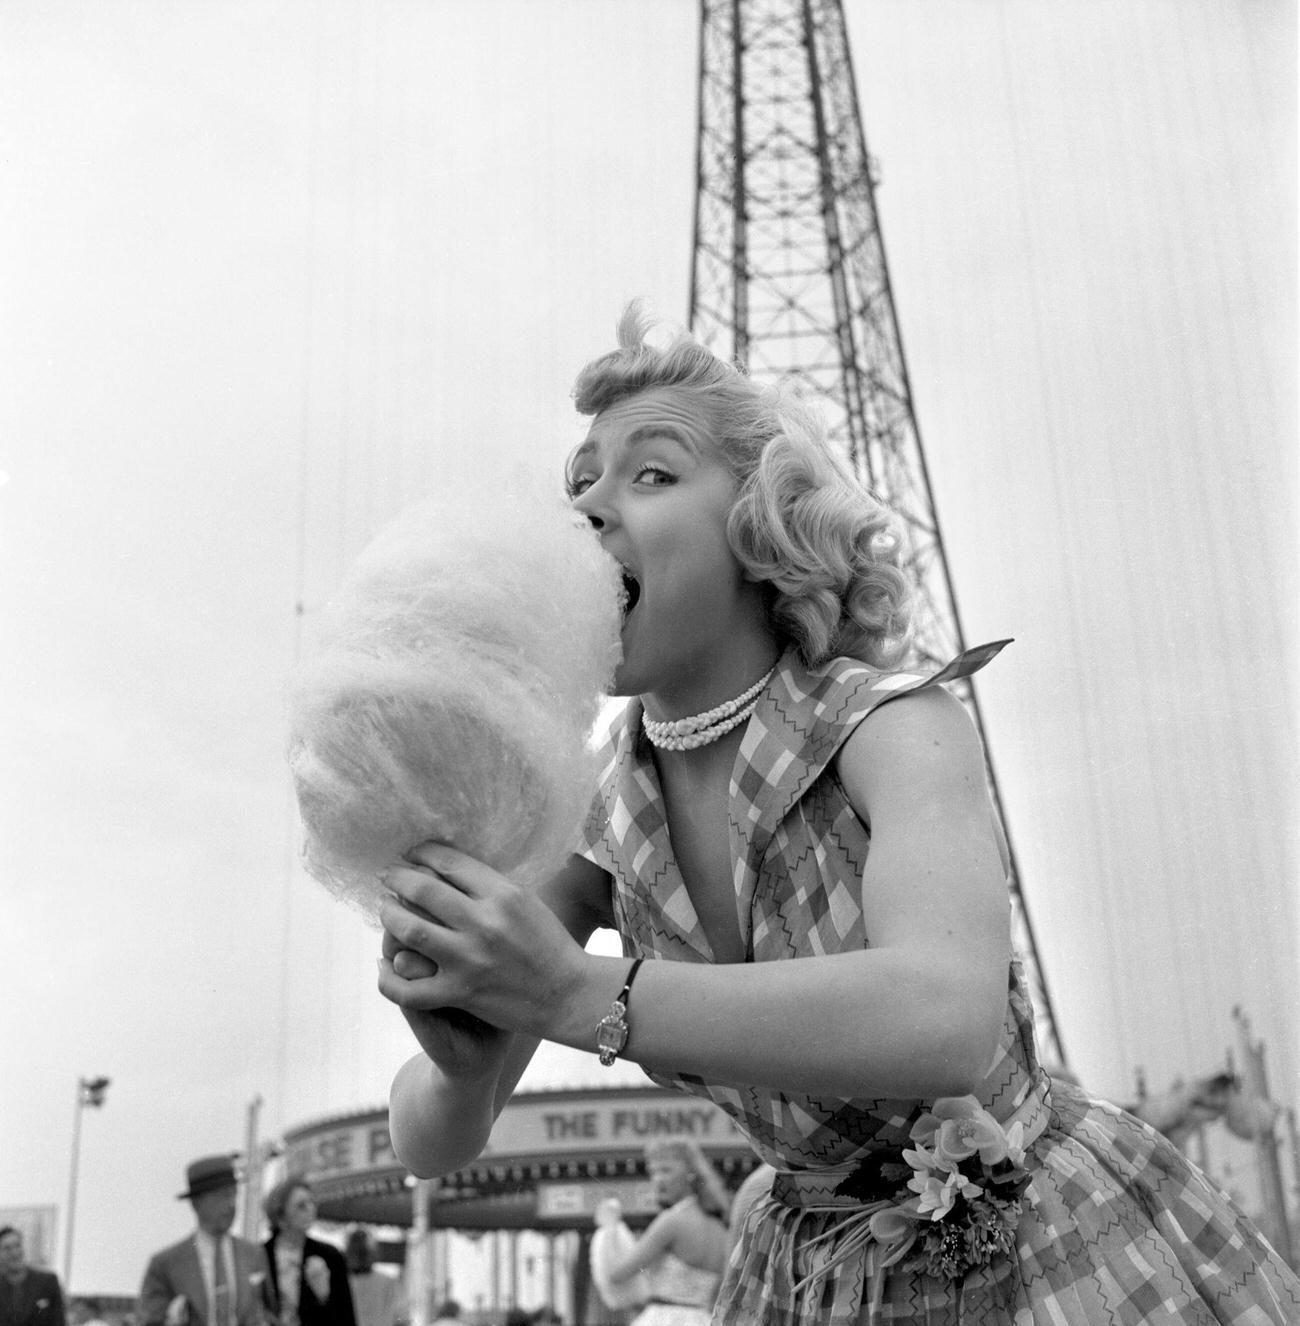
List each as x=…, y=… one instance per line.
x=705, y=1180
x=827, y=551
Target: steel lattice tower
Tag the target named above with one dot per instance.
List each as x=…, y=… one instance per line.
x=789, y=278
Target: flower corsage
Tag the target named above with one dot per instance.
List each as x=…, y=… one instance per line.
x=317, y=1275
x=957, y=1198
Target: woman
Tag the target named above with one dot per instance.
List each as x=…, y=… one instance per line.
x=676, y=1265
x=811, y=885
x=307, y=1281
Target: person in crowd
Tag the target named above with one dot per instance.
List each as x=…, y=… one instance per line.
x=376, y=1297
x=680, y=1257
x=29, y=1296
x=308, y=1278
x=211, y=1277
x=796, y=841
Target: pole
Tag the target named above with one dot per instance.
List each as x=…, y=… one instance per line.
x=1293, y=1136
x=495, y=1236
x=417, y=1255
x=550, y=1267
x=512, y=1240
x=580, y=1280
x=72, y=1186
x=1255, y=1079
x=440, y=1266
x=1200, y=1148
x=252, y=1170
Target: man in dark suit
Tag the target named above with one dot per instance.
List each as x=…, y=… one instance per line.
x=28, y=1297
x=212, y=1277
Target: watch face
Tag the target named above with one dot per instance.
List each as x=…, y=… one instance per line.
x=611, y=1035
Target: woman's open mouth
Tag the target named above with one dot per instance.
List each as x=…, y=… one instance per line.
x=631, y=592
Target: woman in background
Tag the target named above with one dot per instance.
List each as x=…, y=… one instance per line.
x=675, y=1267
x=307, y=1281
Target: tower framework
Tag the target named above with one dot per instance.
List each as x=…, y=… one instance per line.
x=789, y=278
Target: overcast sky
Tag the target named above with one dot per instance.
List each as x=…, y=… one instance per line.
x=270, y=270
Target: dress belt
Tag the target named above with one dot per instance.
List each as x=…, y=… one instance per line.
x=880, y=1230
x=816, y=1187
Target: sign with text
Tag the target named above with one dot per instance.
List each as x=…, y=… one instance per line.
x=536, y=1127
x=623, y=1121
x=355, y=1146
x=571, y=1201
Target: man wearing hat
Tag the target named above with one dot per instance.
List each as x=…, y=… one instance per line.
x=212, y=1277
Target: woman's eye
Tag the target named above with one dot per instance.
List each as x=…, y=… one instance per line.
x=579, y=484
x=655, y=476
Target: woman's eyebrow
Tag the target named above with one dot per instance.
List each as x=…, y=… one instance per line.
x=639, y=436
x=655, y=432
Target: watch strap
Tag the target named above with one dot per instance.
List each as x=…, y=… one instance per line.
x=612, y=1029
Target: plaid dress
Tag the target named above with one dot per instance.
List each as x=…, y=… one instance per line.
x=1117, y=1227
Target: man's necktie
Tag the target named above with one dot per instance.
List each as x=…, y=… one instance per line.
x=221, y=1314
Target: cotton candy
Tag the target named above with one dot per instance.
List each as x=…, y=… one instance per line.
x=456, y=678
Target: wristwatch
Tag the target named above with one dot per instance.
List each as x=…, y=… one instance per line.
x=611, y=1030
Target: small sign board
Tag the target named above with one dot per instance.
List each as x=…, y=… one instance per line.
x=570, y=1201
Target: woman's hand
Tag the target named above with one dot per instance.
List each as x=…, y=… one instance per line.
x=461, y=1045
x=467, y=953
x=438, y=929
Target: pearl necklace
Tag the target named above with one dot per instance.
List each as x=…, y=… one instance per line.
x=701, y=729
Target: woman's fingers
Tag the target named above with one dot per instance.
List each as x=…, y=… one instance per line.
x=445, y=887
x=405, y=928
x=429, y=908
x=460, y=935
x=463, y=873
x=411, y=966
x=420, y=993
x=431, y=895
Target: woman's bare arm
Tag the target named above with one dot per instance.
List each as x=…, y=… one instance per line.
x=445, y=1100
x=916, y=1014
x=686, y=1231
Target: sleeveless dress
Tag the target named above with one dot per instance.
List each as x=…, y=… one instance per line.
x=1115, y=1227
x=669, y=1292
x=681, y=1294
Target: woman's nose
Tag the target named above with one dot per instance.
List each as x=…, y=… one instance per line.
x=590, y=503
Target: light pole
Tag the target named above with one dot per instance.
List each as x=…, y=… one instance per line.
x=90, y=1091
x=252, y=1169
